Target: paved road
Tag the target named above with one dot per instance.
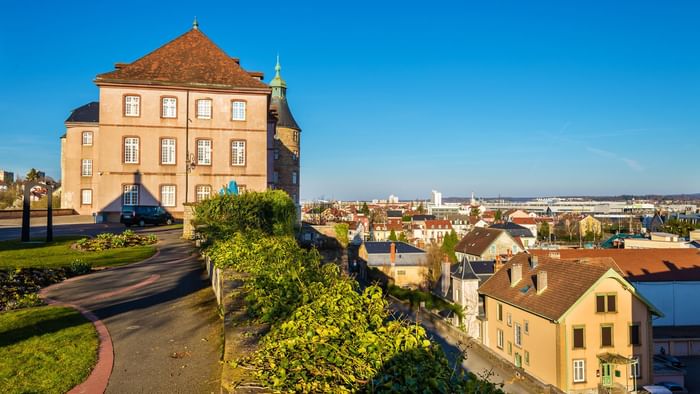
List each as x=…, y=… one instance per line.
x=161, y=315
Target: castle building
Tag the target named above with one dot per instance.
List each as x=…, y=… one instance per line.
x=287, y=140
x=174, y=127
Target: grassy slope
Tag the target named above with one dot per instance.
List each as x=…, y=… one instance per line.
x=15, y=254
x=45, y=350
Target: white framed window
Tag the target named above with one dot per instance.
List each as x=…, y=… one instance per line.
x=86, y=167
x=204, y=152
x=204, y=109
x=295, y=177
x=167, y=195
x=295, y=155
x=87, y=138
x=579, y=371
x=169, y=105
x=238, y=153
x=131, y=150
x=132, y=105
x=518, y=334
x=527, y=327
x=167, y=151
x=275, y=177
x=130, y=195
x=295, y=136
x=509, y=319
x=238, y=110
x=202, y=192
x=635, y=369
x=276, y=153
x=294, y=197
x=499, y=338
x=86, y=197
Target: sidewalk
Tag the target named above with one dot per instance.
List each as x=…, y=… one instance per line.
x=41, y=221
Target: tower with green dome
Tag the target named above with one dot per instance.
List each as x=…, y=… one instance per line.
x=287, y=140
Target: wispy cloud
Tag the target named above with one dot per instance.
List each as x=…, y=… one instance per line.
x=631, y=163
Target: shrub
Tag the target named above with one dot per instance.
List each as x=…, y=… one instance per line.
x=326, y=336
x=79, y=267
x=432, y=302
x=271, y=212
x=105, y=241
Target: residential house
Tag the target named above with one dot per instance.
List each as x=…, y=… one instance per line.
x=435, y=231
x=459, y=284
x=511, y=214
x=666, y=277
x=520, y=233
x=382, y=231
x=486, y=244
x=529, y=223
x=590, y=225
x=574, y=325
x=403, y=263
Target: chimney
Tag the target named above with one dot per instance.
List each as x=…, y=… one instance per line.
x=541, y=281
x=516, y=273
x=534, y=260
x=497, y=267
x=446, y=271
x=392, y=253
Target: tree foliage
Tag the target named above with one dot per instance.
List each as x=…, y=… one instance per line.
x=448, y=246
x=33, y=175
x=271, y=212
x=498, y=215
x=326, y=335
x=341, y=234
x=544, y=231
x=392, y=236
x=365, y=209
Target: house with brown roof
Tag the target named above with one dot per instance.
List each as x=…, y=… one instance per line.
x=486, y=244
x=172, y=127
x=575, y=325
x=666, y=277
x=382, y=231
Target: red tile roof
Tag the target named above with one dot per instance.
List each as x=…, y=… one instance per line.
x=524, y=221
x=191, y=59
x=642, y=265
x=566, y=283
x=438, y=224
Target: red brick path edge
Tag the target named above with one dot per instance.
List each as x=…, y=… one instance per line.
x=99, y=377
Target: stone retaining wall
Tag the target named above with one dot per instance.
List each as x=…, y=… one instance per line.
x=35, y=213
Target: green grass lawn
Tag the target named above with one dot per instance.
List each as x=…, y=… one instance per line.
x=46, y=349
x=15, y=254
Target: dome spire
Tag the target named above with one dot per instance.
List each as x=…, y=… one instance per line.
x=277, y=84
x=195, y=24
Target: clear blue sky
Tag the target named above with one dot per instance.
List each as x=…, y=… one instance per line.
x=510, y=98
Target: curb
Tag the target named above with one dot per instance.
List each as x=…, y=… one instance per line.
x=98, y=379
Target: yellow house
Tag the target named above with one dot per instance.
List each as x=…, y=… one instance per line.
x=573, y=324
x=590, y=224
x=403, y=263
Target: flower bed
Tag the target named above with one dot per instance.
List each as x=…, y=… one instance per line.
x=19, y=287
x=107, y=241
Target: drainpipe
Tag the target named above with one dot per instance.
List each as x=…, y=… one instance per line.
x=187, y=147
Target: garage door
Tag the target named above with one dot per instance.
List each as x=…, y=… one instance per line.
x=695, y=348
x=680, y=348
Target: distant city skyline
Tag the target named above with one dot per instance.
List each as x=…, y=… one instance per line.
x=517, y=99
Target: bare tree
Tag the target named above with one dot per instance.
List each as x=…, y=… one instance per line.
x=433, y=261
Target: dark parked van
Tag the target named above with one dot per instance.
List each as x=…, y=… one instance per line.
x=145, y=214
